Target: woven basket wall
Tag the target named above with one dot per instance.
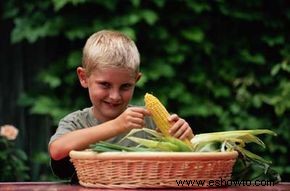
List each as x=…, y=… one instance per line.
x=150, y=169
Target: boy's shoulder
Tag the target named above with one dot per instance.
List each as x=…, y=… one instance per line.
x=78, y=114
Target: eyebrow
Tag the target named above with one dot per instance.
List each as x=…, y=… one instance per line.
x=104, y=81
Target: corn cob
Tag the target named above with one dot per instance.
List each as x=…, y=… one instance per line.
x=160, y=115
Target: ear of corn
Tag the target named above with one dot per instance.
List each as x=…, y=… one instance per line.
x=240, y=136
x=150, y=132
x=182, y=146
x=206, y=142
x=162, y=144
x=160, y=115
x=157, y=145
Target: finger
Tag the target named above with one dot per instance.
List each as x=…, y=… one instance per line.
x=181, y=130
x=141, y=110
x=175, y=127
x=135, y=126
x=138, y=121
x=137, y=115
x=135, y=112
x=187, y=134
x=135, y=123
x=173, y=117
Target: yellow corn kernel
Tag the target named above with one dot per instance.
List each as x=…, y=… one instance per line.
x=160, y=115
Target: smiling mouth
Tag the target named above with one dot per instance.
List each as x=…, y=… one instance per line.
x=112, y=104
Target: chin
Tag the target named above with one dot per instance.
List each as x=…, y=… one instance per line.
x=112, y=113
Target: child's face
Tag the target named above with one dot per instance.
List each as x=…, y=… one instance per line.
x=110, y=91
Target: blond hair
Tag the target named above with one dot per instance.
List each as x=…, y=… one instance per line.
x=108, y=48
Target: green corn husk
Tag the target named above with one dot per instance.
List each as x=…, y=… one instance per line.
x=249, y=163
x=252, y=156
x=238, y=136
x=207, y=142
x=158, y=141
x=110, y=147
x=156, y=145
x=153, y=134
x=182, y=146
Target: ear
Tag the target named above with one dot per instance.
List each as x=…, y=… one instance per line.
x=138, y=76
x=82, y=76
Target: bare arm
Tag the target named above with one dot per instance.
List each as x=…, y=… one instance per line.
x=131, y=118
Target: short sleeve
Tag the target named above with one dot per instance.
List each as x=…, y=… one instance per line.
x=76, y=120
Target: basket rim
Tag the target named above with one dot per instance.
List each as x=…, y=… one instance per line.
x=88, y=154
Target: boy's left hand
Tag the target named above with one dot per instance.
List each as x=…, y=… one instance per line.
x=180, y=128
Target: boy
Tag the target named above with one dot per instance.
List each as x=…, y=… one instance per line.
x=110, y=71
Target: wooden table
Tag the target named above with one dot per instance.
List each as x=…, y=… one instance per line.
x=60, y=186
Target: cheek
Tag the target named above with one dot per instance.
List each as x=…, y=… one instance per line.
x=96, y=94
x=127, y=95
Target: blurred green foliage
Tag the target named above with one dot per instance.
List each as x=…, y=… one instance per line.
x=13, y=162
x=222, y=65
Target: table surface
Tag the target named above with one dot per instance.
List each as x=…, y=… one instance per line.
x=60, y=186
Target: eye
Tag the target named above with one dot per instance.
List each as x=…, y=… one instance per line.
x=104, y=85
x=126, y=86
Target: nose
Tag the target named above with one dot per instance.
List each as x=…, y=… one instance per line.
x=115, y=95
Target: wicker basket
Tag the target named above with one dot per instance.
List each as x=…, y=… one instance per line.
x=151, y=169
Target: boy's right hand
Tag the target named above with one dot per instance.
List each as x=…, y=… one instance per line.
x=132, y=118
